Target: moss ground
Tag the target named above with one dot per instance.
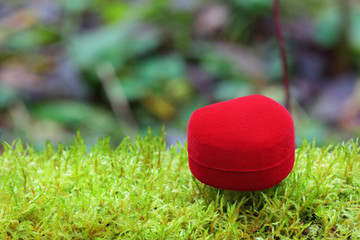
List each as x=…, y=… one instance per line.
x=144, y=190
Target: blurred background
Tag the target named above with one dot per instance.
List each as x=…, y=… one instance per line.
x=115, y=68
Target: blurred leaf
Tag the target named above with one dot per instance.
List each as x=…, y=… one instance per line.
x=355, y=32
x=217, y=65
x=23, y=40
x=254, y=5
x=116, y=11
x=161, y=68
x=65, y=112
x=30, y=39
x=7, y=95
x=126, y=10
x=153, y=75
x=116, y=44
x=75, y=5
x=327, y=27
x=76, y=114
x=133, y=89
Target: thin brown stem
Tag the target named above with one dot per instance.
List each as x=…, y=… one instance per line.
x=281, y=45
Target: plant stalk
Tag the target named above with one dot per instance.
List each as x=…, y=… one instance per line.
x=281, y=45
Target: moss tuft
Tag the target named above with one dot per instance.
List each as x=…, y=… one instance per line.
x=144, y=190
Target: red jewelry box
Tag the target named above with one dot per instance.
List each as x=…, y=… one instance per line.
x=245, y=144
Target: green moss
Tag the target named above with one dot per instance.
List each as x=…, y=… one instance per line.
x=144, y=190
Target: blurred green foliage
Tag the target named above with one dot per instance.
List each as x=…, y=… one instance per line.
x=169, y=58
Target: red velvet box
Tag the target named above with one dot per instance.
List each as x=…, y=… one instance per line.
x=245, y=144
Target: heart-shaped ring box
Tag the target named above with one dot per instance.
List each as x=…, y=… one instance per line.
x=245, y=144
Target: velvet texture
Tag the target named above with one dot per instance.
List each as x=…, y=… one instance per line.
x=245, y=144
